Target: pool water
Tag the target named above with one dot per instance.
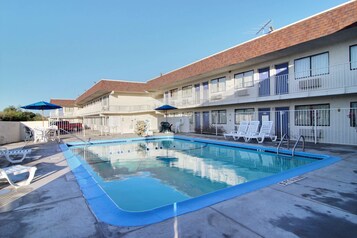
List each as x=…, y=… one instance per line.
x=144, y=175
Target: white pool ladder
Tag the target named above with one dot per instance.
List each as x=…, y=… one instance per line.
x=285, y=136
x=296, y=143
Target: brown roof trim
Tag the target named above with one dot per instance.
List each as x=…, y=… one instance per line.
x=63, y=102
x=107, y=86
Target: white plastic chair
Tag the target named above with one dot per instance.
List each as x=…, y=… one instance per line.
x=265, y=132
x=52, y=133
x=28, y=133
x=39, y=135
x=15, y=170
x=242, y=130
x=10, y=154
x=178, y=126
x=252, y=130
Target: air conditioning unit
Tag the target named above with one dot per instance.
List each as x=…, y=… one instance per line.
x=309, y=133
x=310, y=83
x=241, y=93
x=216, y=97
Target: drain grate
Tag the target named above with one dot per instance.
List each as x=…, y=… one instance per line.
x=70, y=177
x=291, y=180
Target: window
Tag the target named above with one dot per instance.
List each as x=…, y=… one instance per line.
x=244, y=80
x=166, y=97
x=246, y=114
x=305, y=115
x=353, y=57
x=352, y=114
x=187, y=91
x=68, y=109
x=312, y=66
x=174, y=93
x=218, y=85
x=221, y=116
x=105, y=101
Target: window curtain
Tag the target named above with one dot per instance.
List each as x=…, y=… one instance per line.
x=319, y=64
x=302, y=68
x=353, y=56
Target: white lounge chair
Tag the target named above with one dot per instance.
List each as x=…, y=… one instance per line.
x=28, y=134
x=15, y=170
x=11, y=154
x=265, y=132
x=252, y=129
x=242, y=130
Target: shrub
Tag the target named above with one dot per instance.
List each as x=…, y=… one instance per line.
x=140, y=128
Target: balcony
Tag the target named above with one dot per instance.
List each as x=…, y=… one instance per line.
x=130, y=108
x=113, y=109
x=339, y=80
x=61, y=114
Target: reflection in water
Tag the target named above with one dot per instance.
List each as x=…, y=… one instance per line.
x=189, y=169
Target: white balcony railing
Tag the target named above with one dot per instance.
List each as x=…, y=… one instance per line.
x=61, y=114
x=117, y=109
x=130, y=108
x=340, y=79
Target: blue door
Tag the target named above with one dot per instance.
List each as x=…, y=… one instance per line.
x=282, y=78
x=197, y=94
x=205, y=91
x=197, y=122
x=281, y=121
x=205, y=125
x=264, y=82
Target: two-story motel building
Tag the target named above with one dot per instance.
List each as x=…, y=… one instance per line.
x=302, y=76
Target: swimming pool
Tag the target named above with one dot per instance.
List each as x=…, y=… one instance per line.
x=141, y=181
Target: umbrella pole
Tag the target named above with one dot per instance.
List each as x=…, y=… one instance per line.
x=43, y=123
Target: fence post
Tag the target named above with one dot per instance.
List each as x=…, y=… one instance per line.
x=281, y=124
x=83, y=128
x=315, y=126
x=216, y=114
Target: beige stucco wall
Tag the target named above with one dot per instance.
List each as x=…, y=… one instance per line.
x=126, y=123
x=11, y=131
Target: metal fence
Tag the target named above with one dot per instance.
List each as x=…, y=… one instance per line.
x=324, y=125
x=317, y=125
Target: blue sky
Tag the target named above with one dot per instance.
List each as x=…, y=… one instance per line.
x=60, y=48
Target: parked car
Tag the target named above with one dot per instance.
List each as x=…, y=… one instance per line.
x=67, y=126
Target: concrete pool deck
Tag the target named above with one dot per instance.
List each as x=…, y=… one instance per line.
x=323, y=204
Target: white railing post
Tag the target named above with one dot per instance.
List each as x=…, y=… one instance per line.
x=216, y=115
x=281, y=124
x=83, y=128
x=315, y=126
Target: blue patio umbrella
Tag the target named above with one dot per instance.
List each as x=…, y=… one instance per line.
x=165, y=108
x=41, y=106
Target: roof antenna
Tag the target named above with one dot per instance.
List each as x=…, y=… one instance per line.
x=263, y=28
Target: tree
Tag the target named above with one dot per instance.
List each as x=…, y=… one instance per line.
x=12, y=113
